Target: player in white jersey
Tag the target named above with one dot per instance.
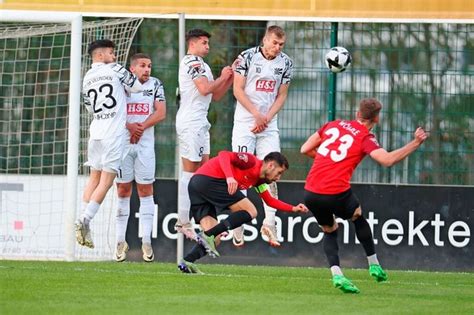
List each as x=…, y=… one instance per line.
x=197, y=89
x=104, y=91
x=261, y=81
x=144, y=110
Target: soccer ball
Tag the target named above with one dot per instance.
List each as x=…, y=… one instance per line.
x=338, y=59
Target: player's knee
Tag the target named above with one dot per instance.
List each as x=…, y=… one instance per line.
x=145, y=190
x=252, y=212
x=207, y=222
x=329, y=229
x=124, y=190
x=357, y=214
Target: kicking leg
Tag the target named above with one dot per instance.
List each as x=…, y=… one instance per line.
x=364, y=234
x=331, y=249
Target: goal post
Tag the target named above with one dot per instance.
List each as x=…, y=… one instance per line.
x=44, y=130
x=75, y=21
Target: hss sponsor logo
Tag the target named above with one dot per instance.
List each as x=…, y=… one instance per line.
x=265, y=85
x=138, y=108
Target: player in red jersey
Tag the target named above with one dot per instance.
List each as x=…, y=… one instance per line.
x=337, y=148
x=216, y=185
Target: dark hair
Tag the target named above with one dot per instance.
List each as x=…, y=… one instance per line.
x=277, y=30
x=196, y=33
x=137, y=56
x=100, y=43
x=369, y=108
x=277, y=157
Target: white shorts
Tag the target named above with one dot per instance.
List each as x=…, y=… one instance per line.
x=106, y=154
x=260, y=144
x=138, y=165
x=194, y=142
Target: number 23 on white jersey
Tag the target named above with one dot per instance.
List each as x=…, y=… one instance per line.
x=341, y=152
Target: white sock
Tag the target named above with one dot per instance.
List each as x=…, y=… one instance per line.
x=183, y=198
x=147, y=210
x=91, y=210
x=373, y=260
x=270, y=212
x=123, y=212
x=336, y=270
x=84, y=205
x=269, y=215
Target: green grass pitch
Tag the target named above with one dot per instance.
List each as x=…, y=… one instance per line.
x=32, y=287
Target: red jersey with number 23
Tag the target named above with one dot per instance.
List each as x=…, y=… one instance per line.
x=343, y=146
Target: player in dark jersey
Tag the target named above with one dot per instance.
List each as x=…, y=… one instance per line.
x=216, y=185
x=337, y=148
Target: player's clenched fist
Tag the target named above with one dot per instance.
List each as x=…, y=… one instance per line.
x=300, y=208
x=420, y=135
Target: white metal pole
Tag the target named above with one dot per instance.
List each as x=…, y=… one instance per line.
x=75, y=20
x=182, y=52
x=73, y=135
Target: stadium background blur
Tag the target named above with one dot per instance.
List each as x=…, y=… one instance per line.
x=422, y=73
x=417, y=58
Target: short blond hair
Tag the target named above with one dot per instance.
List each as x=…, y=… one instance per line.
x=369, y=108
x=277, y=30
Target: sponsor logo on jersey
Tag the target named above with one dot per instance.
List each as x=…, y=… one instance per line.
x=243, y=157
x=138, y=109
x=105, y=115
x=265, y=85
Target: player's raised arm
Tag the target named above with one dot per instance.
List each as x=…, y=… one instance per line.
x=218, y=87
x=128, y=79
x=389, y=159
x=309, y=147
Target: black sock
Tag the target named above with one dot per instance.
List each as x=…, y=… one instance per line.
x=234, y=220
x=331, y=248
x=364, y=234
x=197, y=252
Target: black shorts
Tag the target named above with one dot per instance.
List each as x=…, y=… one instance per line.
x=324, y=207
x=208, y=195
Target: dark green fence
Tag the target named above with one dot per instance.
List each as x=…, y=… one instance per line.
x=422, y=73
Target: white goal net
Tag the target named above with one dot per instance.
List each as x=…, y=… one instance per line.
x=34, y=107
